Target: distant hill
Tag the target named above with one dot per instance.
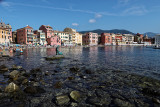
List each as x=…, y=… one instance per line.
x=99, y=31
x=150, y=34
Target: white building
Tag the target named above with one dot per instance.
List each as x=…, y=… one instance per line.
x=66, y=39
x=157, y=40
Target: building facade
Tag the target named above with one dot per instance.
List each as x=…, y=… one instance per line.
x=52, y=39
x=157, y=40
x=41, y=38
x=106, y=39
x=25, y=36
x=90, y=38
x=5, y=33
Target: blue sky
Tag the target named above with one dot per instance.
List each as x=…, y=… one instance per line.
x=133, y=15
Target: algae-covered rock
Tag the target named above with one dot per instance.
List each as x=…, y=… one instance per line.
x=75, y=95
x=57, y=57
x=3, y=69
x=12, y=87
x=62, y=100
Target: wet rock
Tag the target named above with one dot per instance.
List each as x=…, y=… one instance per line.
x=57, y=57
x=35, y=101
x=97, y=101
x=155, y=100
x=34, y=90
x=75, y=95
x=35, y=70
x=40, y=90
x=12, y=87
x=14, y=74
x=15, y=67
x=30, y=90
x=62, y=100
x=47, y=73
x=122, y=103
x=20, y=79
x=25, y=81
x=70, y=78
x=151, y=91
x=87, y=71
x=74, y=70
x=3, y=69
x=58, y=84
x=74, y=104
x=36, y=84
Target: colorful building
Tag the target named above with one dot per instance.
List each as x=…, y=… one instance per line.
x=90, y=38
x=41, y=38
x=138, y=38
x=65, y=38
x=106, y=39
x=25, y=36
x=52, y=39
x=5, y=33
x=77, y=38
x=157, y=40
x=118, y=39
x=128, y=38
x=14, y=36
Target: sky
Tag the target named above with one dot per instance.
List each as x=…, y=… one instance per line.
x=137, y=16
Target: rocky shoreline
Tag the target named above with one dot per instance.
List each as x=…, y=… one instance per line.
x=79, y=87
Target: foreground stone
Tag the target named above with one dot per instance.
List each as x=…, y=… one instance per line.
x=12, y=87
x=75, y=95
x=62, y=100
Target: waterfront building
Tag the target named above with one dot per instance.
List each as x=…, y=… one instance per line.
x=5, y=33
x=157, y=40
x=90, y=38
x=52, y=39
x=118, y=39
x=41, y=38
x=128, y=38
x=138, y=38
x=113, y=38
x=106, y=39
x=14, y=36
x=77, y=38
x=65, y=38
x=25, y=35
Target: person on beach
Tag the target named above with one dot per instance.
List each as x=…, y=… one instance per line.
x=21, y=50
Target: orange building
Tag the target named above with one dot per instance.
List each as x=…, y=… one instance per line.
x=5, y=33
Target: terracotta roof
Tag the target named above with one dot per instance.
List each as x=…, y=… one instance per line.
x=28, y=27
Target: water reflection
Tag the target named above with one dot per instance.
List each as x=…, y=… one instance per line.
x=128, y=58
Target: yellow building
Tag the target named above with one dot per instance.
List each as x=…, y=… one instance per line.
x=5, y=33
x=78, y=38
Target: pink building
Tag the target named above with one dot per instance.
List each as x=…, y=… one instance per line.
x=106, y=39
x=25, y=35
x=51, y=38
x=90, y=39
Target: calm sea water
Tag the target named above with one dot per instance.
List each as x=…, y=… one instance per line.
x=136, y=59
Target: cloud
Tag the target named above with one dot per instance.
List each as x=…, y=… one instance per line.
x=98, y=16
x=92, y=21
x=5, y=4
x=136, y=10
x=57, y=8
x=75, y=24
